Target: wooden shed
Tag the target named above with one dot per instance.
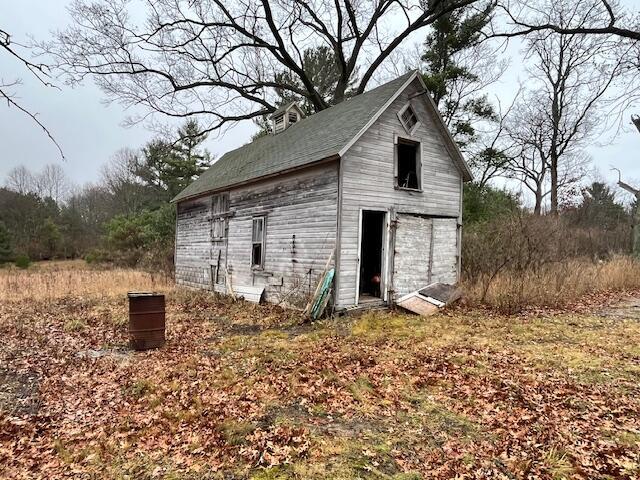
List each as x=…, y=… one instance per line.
x=373, y=183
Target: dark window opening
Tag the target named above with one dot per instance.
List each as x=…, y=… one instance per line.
x=372, y=233
x=293, y=117
x=408, y=164
x=256, y=255
x=257, y=243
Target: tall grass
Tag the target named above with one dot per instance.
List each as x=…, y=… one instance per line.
x=48, y=280
x=554, y=284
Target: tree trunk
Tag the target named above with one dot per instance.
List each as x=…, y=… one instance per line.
x=636, y=229
x=537, y=210
x=341, y=87
x=554, y=182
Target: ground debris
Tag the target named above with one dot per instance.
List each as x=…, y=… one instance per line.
x=244, y=391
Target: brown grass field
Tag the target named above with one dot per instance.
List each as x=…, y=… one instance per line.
x=245, y=391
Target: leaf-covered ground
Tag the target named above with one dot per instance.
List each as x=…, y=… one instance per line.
x=242, y=391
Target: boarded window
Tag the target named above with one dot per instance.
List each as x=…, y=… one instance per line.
x=408, y=164
x=408, y=118
x=293, y=117
x=257, y=242
x=219, y=217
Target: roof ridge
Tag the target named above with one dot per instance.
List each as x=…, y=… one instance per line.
x=309, y=140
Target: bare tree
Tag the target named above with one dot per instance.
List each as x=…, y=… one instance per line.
x=220, y=59
x=38, y=70
x=528, y=155
x=493, y=151
x=52, y=182
x=465, y=108
x=529, y=141
x=571, y=78
x=120, y=179
x=598, y=17
x=21, y=180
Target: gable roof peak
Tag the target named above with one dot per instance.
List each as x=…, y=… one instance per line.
x=325, y=134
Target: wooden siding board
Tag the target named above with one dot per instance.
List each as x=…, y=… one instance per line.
x=367, y=170
x=412, y=261
x=303, y=204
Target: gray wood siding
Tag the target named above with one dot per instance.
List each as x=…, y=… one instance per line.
x=412, y=254
x=367, y=176
x=301, y=223
x=445, y=250
x=193, y=243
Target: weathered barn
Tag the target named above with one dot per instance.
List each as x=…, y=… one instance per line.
x=375, y=180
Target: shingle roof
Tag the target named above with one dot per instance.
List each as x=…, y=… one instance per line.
x=314, y=138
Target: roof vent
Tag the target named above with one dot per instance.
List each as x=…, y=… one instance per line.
x=285, y=116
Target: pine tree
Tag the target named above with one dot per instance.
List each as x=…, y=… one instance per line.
x=453, y=33
x=168, y=167
x=6, y=252
x=599, y=208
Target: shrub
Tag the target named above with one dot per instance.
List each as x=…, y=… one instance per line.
x=523, y=259
x=485, y=203
x=22, y=261
x=97, y=256
x=144, y=239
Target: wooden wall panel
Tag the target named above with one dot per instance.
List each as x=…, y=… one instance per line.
x=367, y=175
x=301, y=223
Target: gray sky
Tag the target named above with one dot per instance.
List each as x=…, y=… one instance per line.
x=90, y=131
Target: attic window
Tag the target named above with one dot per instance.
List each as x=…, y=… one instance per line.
x=293, y=117
x=279, y=123
x=408, y=118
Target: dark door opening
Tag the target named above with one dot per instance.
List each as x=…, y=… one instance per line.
x=371, y=241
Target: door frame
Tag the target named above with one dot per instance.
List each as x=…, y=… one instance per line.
x=384, y=257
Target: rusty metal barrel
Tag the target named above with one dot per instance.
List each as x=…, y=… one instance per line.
x=146, y=320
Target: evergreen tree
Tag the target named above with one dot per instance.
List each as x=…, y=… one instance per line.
x=168, y=167
x=6, y=251
x=482, y=203
x=49, y=238
x=321, y=66
x=453, y=33
x=599, y=208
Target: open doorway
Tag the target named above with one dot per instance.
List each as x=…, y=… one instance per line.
x=371, y=285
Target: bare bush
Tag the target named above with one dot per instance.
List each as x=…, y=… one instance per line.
x=525, y=259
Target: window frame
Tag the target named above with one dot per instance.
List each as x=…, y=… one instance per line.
x=397, y=139
x=219, y=217
x=409, y=130
x=262, y=242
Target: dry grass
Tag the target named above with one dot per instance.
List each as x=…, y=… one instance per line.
x=555, y=285
x=60, y=279
x=243, y=391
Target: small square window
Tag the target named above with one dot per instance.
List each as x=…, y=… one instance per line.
x=408, y=164
x=408, y=118
x=293, y=117
x=257, y=242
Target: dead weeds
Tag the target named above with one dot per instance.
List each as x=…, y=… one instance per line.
x=243, y=391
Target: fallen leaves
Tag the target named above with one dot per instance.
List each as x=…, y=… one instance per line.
x=241, y=390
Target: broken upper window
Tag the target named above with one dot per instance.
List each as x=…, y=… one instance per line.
x=257, y=242
x=408, y=164
x=408, y=118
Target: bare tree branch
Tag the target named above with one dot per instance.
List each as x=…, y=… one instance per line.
x=39, y=71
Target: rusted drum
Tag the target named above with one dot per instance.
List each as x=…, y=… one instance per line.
x=146, y=320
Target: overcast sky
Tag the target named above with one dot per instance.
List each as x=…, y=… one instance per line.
x=90, y=131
